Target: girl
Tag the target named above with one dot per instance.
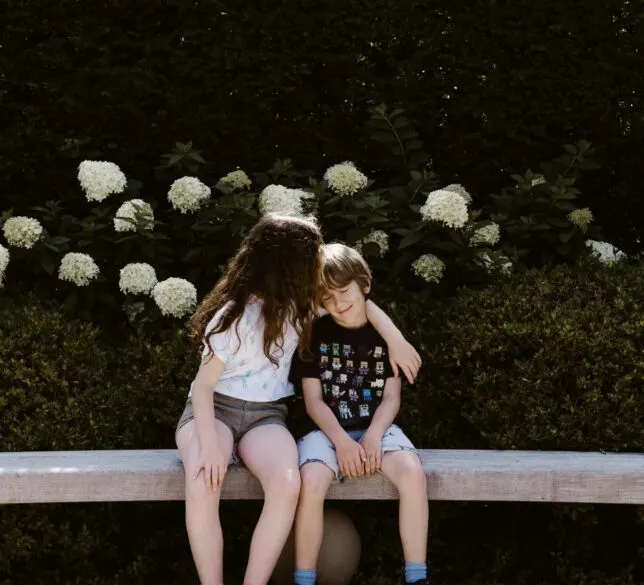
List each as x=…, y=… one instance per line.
x=251, y=324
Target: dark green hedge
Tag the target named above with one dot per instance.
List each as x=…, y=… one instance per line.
x=547, y=360
x=494, y=87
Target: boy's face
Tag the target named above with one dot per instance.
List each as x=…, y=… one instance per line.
x=346, y=305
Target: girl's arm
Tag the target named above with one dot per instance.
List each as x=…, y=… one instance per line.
x=202, y=398
x=401, y=352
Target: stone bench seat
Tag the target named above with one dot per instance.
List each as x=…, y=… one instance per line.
x=453, y=474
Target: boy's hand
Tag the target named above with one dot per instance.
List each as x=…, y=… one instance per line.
x=372, y=443
x=403, y=354
x=351, y=457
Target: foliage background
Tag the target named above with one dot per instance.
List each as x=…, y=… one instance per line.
x=529, y=394
x=493, y=86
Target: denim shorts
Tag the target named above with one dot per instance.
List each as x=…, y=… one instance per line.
x=317, y=447
x=241, y=416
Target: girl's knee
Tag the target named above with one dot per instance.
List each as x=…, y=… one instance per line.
x=283, y=485
x=197, y=492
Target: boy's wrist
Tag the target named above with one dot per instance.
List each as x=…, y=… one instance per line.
x=375, y=431
x=340, y=437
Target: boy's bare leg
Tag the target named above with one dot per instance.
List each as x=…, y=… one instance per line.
x=404, y=470
x=309, y=518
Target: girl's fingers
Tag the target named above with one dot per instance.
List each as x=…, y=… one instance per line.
x=197, y=471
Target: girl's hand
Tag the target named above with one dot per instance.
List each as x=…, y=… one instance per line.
x=351, y=458
x=403, y=354
x=372, y=444
x=213, y=464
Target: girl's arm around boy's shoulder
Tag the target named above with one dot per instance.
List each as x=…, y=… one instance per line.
x=401, y=352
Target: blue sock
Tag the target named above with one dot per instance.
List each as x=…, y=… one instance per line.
x=305, y=576
x=415, y=572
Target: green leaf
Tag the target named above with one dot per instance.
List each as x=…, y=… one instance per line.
x=382, y=136
x=411, y=239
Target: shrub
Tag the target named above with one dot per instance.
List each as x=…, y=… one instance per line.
x=547, y=327
x=546, y=360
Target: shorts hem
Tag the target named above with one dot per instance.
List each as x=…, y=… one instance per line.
x=316, y=460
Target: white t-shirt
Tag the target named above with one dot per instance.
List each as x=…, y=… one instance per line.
x=248, y=374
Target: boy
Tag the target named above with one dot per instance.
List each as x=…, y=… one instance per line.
x=352, y=400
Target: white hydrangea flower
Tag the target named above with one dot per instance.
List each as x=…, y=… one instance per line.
x=236, y=180
x=607, y=253
x=345, y=178
x=282, y=200
x=99, y=179
x=175, y=296
x=22, y=232
x=4, y=262
x=137, y=279
x=128, y=211
x=447, y=207
x=462, y=191
x=377, y=237
x=429, y=268
x=187, y=194
x=488, y=235
x=77, y=268
x=582, y=218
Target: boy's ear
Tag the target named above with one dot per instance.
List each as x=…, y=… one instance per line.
x=366, y=290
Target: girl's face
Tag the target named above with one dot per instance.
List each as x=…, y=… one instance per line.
x=347, y=305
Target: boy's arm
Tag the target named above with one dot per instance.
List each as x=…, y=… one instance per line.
x=350, y=454
x=401, y=352
x=320, y=412
x=381, y=421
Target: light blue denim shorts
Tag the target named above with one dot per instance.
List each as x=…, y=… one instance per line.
x=317, y=447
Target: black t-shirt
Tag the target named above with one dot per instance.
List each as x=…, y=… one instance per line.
x=352, y=365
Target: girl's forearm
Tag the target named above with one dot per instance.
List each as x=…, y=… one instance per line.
x=203, y=407
x=383, y=324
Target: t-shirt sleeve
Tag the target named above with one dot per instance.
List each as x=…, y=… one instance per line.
x=226, y=343
x=309, y=368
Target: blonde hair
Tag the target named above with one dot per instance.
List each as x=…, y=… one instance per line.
x=341, y=265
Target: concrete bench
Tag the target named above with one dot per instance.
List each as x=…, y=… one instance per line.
x=457, y=475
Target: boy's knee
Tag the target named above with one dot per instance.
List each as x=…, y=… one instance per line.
x=410, y=473
x=315, y=480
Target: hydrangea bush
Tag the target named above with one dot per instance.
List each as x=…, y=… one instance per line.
x=148, y=253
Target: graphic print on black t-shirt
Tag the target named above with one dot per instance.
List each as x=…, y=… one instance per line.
x=352, y=366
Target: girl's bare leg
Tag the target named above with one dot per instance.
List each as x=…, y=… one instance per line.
x=202, y=505
x=270, y=453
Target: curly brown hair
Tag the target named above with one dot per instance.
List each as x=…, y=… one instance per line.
x=279, y=262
